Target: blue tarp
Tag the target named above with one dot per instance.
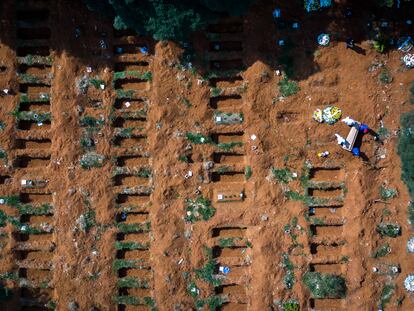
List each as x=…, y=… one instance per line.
x=314, y=5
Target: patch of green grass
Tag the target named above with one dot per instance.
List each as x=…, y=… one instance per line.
x=130, y=245
x=412, y=93
x=289, y=278
x=386, y=295
x=199, y=209
x=283, y=175
x=227, y=242
x=197, y=138
x=387, y=193
x=184, y=159
x=207, y=272
x=213, y=302
x=134, y=228
x=88, y=121
x=186, y=103
x=215, y=91
x=382, y=251
x=248, y=172
x=96, y=82
x=32, y=116
x=3, y=156
x=389, y=230
x=229, y=146
x=192, y=289
x=131, y=282
x=290, y=306
x=383, y=132
x=119, y=264
x=143, y=75
x=325, y=285
x=87, y=220
x=406, y=153
x=385, y=76
x=288, y=87
x=127, y=94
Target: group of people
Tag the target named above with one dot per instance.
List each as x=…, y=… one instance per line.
x=362, y=129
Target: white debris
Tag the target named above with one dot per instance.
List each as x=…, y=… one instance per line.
x=1, y=201
x=23, y=182
x=409, y=283
x=89, y=69
x=190, y=173
x=127, y=104
x=218, y=119
x=102, y=86
x=253, y=137
x=219, y=197
x=180, y=261
x=6, y=91
x=410, y=245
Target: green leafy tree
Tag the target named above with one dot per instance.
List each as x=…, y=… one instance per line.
x=166, y=19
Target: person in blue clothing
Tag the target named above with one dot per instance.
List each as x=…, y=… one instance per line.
x=356, y=152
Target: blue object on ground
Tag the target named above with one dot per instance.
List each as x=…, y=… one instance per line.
x=143, y=50
x=276, y=13
x=281, y=42
x=226, y=270
x=355, y=151
x=123, y=216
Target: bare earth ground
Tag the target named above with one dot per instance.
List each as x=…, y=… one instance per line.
x=75, y=265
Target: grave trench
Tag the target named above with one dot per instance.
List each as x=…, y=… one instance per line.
x=234, y=286
x=327, y=256
x=231, y=64
x=225, y=46
x=226, y=102
x=139, y=214
x=28, y=125
x=29, y=162
x=235, y=27
x=43, y=144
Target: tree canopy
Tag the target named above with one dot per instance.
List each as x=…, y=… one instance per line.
x=166, y=19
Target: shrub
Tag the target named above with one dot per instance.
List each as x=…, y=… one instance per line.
x=287, y=87
x=207, y=273
x=290, y=306
x=389, y=230
x=289, y=278
x=325, y=285
x=131, y=282
x=197, y=138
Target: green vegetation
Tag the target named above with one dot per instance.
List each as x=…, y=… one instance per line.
x=127, y=94
x=290, y=306
x=387, y=193
x=30, y=60
x=131, y=282
x=91, y=159
x=88, y=121
x=134, y=228
x=129, y=245
x=215, y=91
x=213, y=302
x=136, y=301
x=406, y=152
x=192, y=289
x=24, y=98
x=2, y=126
x=325, y=285
x=412, y=93
x=385, y=76
x=288, y=87
x=137, y=74
x=199, y=209
x=32, y=116
x=382, y=251
x=228, y=242
x=248, y=172
x=283, y=175
x=389, y=230
x=87, y=220
x=207, y=272
x=386, y=295
x=289, y=278
x=3, y=156
x=380, y=44
x=197, y=138
x=166, y=20
x=384, y=133
x=96, y=82
x=124, y=264
x=184, y=158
